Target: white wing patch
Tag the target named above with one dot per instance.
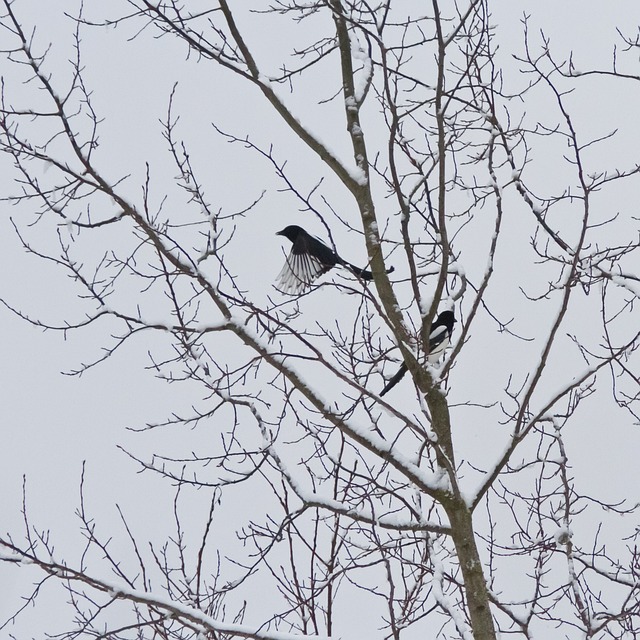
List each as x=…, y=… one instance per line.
x=438, y=342
x=299, y=272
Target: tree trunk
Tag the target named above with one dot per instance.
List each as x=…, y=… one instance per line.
x=460, y=519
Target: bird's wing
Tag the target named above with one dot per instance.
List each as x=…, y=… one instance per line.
x=301, y=268
x=438, y=341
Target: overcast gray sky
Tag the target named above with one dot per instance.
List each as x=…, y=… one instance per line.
x=54, y=423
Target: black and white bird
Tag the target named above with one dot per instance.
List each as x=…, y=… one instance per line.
x=439, y=339
x=309, y=259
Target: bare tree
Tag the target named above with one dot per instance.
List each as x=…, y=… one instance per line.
x=472, y=173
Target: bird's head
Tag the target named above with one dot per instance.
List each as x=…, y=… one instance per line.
x=447, y=318
x=291, y=232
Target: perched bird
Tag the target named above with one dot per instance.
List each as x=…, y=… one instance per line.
x=439, y=339
x=309, y=259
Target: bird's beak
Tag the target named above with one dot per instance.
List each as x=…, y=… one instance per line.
x=278, y=233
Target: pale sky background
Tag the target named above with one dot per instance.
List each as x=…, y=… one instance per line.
x=53, y=424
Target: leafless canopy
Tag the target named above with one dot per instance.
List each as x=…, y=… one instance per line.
x=426, y=136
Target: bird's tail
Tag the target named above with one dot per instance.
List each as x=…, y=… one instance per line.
x=396, y=378
x=362, y=273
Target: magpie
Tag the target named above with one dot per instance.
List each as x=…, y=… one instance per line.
x=439, y=339
x=309, y=259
